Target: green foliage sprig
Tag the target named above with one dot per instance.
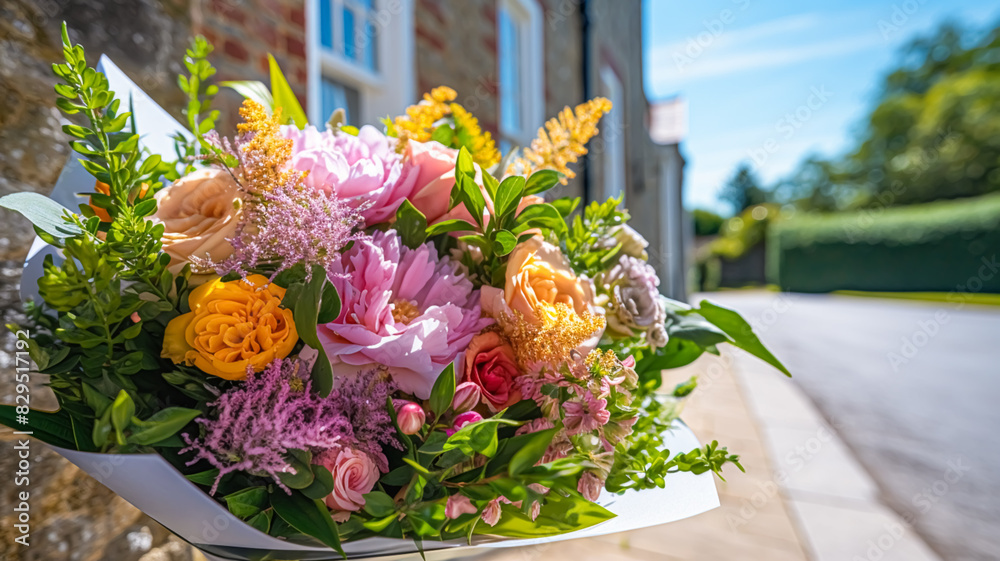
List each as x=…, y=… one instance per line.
x=201, y=118
x=586, y=245
x=495, y=231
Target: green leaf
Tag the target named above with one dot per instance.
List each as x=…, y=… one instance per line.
x=301, y=475
x=443, y=134
x=531, y=452
x=443, y=391
x=505, y=242
x=252, y=90
x=309, y=516
x=43, y=212
x=51, y=428
x=322, y=484
x=541, y=181
x=247, y=503
x=447, y=226
x=379, y=504
x=733, y=324
x=307, y=298
x=162, y=425
x=558, y=515
x=478, y=437
x=122, y=411
x=508, y=196
x=542, y=215
x=697, y=330
x=411, y=224
x=206, y=477
x=284, y=97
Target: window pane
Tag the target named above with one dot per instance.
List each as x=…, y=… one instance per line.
x=325, y=24
x=509, y=55
x=368, y=44
x=334, y=95
x=349, y=34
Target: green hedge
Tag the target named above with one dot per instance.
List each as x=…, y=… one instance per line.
x=944, y=246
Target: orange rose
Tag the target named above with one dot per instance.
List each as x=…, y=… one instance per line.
x=232, y=326
x=199, y=213
x=537, y=272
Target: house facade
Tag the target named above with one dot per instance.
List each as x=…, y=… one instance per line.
x=514, y=63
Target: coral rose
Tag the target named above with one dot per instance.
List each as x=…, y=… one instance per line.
x=537, y=273
x=199, y=213
x=232, y=326
x=490, y=365
x=354, y=475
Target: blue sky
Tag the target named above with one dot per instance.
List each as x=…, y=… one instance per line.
x=771, y=82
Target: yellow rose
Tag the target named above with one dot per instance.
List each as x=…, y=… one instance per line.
x=199, y=214
x=232, y=326
x=537, y=272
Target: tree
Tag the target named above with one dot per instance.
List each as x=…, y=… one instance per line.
x=742, y=190
x=934, y=132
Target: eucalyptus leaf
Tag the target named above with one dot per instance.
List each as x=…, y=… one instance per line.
x=43, y=212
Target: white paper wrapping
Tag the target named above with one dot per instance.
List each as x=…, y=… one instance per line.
x=155, y=487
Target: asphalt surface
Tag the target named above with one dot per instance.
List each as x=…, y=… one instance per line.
x=914, y=389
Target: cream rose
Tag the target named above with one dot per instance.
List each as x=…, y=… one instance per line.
x=199, y=213
x=537, y=272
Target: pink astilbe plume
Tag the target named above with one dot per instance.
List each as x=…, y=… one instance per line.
x=257, y=423
x=362, y=400
x=282, y=221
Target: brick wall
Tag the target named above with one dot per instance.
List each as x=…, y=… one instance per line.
x=244, y=32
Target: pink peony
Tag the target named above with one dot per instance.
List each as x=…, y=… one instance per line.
x=490, y=364
x=463, y=419
x=405, y=309
x=409, y=416
x=354, y=475
x=363, y=170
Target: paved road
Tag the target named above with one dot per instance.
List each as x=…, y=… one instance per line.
x=915, y=391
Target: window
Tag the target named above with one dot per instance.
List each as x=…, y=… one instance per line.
x=359, y=58
x=613, y=135
x=347, y=29
x=520, y=60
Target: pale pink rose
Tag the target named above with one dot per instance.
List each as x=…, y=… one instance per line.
x=536, y=509
x=590, y=486
x=354, y=475
x=537, y=273
x=491, y=514
x=457, y=505
x=199, y=213
x=491, y=365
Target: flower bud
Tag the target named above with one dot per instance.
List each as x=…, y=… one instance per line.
x=410, y=416
x=633, y=244
x=467, y=396
x=463, y=419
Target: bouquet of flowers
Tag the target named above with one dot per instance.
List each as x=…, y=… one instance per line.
x=341, y=333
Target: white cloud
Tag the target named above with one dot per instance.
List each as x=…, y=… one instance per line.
x=666, y=72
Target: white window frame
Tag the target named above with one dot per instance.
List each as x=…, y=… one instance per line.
x=614, y=174
x=531, y=50
x=386, y=90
